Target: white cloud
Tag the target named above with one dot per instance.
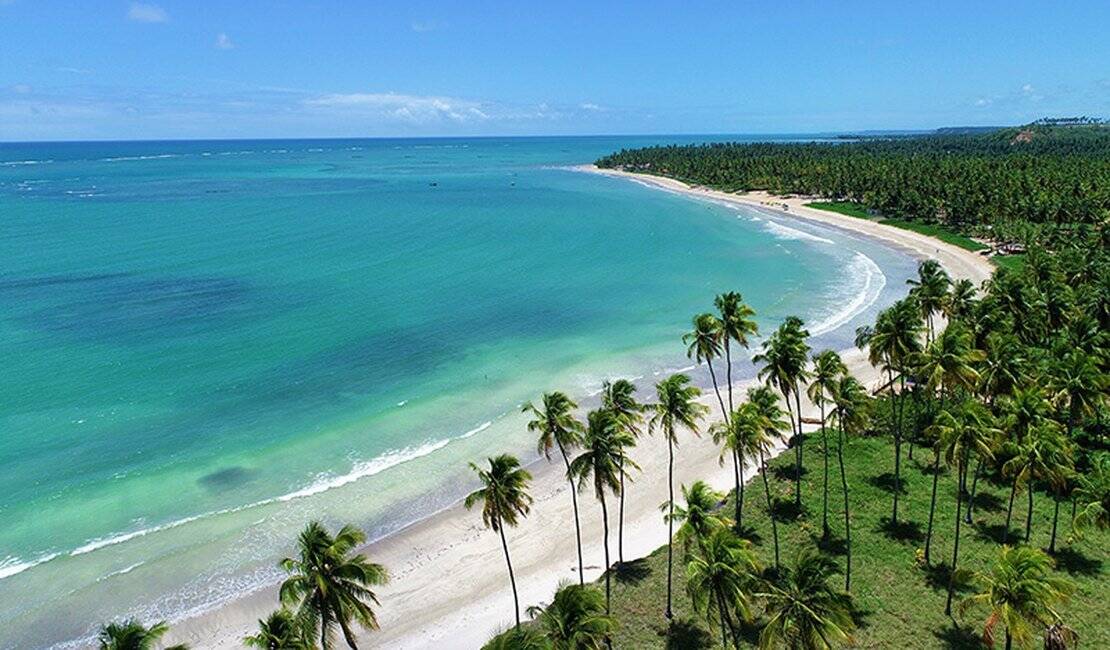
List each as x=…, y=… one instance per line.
x=427, y=26
x=223, y=42
x=590, y=106
x=984, y=102
x=1027, y=89
x=408, y=108
x=147, y=13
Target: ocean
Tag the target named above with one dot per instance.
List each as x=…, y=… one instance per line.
x=207, y=344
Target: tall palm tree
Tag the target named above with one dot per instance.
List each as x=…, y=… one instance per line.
x=601, y=463
x=930, y=291
x=893, y=343
x=803, y=611
x=784, y=357
x=960, y=301
x=852, y=416
x=719, y=580
x=741, y=438
x=330, y=584
x=1021, y=593
x=698, y=519
x=575, y=619
x=278, y=631
x=505, y=500
x=557, y=426
x=737, y=324
x=619, y=398
x=676, y=409
x=969, y=431
x=827, y=370
x=133, y=635
x=949, y=362
x=705, y=343
x=765, y=408
x=1043, y=455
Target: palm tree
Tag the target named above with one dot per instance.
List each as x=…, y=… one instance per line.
x=558, y=427
x=960, y=300
x=784, y=357
x=1021, y=594
x=803, y=611
x=505, y=499
x=949, y=361
x=893, y=343
x=827, y=369
x=737, y=324
x=133, y=635
x=330, y=584
x=278, y=631
x=575, y=619
x=852, y=416
x=719, y=580
x=518, y=638
x=930, y=291
x=1042, y=456
x=618, y=397
x=698, y=519
x=970, y=430
x=704, y=343
x=765, y=408
x=601, y=463
x=677, y=408
x=1093, y=493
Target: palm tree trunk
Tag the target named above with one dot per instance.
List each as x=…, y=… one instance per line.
x=1009, y=640
x=770, y=508
x=325, y=621
x=728, y=373
x=801, y=444
x=956, y=544
x=1029, y=514
x=847, y=522
x=825, y=496
x=512, y=578
x=605, y=538
x=932, y=504
x=577, y=525
x=739, y=494
x=897, y=444
x=974, y=486
x=1055, y=519
x=620, y=517
x=721, y=613
x=670, y=522
x=713, y=376
x=1009, y=511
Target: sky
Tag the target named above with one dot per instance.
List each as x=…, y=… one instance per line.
x=163, y=69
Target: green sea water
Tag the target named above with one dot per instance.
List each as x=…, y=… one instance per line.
x=207, y=344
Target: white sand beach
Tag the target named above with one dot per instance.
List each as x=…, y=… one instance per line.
x=449, y=586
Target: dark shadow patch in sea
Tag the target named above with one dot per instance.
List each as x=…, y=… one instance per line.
x=227, y=478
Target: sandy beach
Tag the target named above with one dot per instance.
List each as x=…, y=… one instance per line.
x=449, y=586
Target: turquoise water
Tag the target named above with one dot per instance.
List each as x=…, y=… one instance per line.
x=206, y=344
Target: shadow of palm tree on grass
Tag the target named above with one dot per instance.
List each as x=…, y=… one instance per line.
x=885, y=482
x=958, y=637
x=833, y=544
x=995, y=533
x=749, y=533
x=902, y=531
x=786, y=510
x=1076, y=563
x=684, y=634
x=632, y=572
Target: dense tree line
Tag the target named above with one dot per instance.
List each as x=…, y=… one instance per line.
x=1038, y=174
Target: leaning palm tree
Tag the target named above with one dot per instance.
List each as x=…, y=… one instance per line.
x=852, y=414
x=737, y=324
x=600, y=464
x=505, y=499
x=720, y=581
x=575, y=619
x=557, y=426
x=970, y=430
x=278, y=631
x=133, y=635
x=619, y=398
x=784, y=357
x=677, y=408
x=741, y=437
x=704, y=343
x=1021, y=594
x=803, y=611
x=765, y=409
x=827, y=370
x=329, y=584
x=698, y=519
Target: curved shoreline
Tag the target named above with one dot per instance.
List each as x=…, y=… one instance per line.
x=429, y=559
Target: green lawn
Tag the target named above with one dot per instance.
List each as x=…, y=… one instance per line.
x=932, y=230
x=1013, y=262
x=842, y=207
x=901, y=604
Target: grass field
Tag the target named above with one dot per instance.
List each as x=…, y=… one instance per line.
x=932, y=230
x=842, y=207
x=900, y=604
x=1013, y=262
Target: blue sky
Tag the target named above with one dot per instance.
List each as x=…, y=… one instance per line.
x=237, y=69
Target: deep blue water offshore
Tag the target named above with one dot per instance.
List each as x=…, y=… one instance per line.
x=205, y=344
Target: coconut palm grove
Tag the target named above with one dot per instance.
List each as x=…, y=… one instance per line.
x=964, y=501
